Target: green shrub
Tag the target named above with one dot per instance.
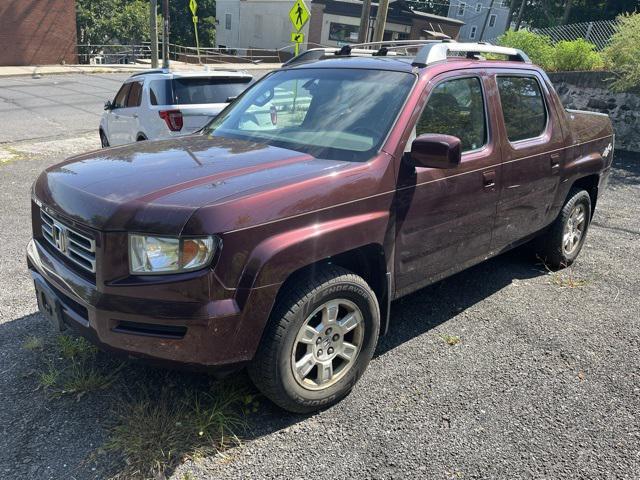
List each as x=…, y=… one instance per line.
x=537, y=47
x=622, y=54
x=577, y=55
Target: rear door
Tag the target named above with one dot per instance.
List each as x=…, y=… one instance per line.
x=445, y=217
x=532, y=153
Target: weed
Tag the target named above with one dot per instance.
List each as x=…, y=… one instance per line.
x=567, y=280
x=154, y=433
x=450, y=340
x=49, y=377
x=33, y=344
x=75, y=348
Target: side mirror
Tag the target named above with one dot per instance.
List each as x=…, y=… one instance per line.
x=108, y=105
x=436, y=151
x=231, y=99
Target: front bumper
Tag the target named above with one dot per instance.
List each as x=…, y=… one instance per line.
x=218, y=333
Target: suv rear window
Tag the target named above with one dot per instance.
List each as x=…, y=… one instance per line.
x=190, y=91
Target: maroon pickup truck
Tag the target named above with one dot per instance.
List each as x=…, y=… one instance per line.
x=278, y=236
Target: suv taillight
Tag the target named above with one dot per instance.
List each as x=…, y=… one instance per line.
x=173, y=119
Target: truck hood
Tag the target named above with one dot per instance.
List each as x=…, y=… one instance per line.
x=156, y=186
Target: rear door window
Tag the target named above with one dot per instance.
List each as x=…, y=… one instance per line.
x=523, y=108
x=191, y=91
x=135, y=95
x=120, y=100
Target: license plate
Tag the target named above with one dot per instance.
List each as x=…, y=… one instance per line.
x=49, y=306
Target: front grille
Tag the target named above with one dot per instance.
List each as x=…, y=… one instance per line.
x=78, y=248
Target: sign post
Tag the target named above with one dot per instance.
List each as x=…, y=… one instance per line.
x=193, y=6
x=299, y=15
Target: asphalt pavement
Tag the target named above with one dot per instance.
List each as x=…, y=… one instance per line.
x=543, y=381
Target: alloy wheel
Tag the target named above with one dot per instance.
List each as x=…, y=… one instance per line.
x=327, y=345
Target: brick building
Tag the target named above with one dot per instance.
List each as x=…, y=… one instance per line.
x=37, y=32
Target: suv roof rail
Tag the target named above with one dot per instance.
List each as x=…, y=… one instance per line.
x=147, y=72
x=430, y=51
x=437, y=52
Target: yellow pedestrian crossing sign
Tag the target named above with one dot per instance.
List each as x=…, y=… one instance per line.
x=299, y=14
x=297, y=37
x=193, y=6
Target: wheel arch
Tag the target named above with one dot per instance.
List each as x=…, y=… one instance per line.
x=590, y=184
x=367, y=261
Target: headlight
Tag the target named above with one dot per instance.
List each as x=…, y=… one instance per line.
x=151, y=255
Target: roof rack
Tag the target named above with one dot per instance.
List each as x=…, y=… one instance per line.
x=429, y=51
x=147, y=72
x=439, y=51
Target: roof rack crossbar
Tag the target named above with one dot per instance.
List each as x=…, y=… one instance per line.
x=437, y=52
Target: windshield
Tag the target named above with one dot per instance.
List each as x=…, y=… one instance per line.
x=337, y=114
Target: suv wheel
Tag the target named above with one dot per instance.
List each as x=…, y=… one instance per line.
x=319, y=340
x=561, y=244
x=103, y=140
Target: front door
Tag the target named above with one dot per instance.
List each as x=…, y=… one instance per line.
x=115, y=121
x=445, y=217
x=532, y=153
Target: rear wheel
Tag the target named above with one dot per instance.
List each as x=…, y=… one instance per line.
x=559, y=246
x=103, y=139
x=319, y=340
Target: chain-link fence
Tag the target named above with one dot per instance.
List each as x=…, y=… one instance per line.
x=598, y=32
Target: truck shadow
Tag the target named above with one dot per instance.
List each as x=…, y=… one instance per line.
x=26, y=403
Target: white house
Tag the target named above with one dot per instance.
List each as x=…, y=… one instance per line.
x=474, y=13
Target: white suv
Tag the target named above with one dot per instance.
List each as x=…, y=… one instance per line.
x=160, y=104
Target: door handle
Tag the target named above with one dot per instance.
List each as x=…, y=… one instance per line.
x=555, y=160
x=135, y=115
x=489, y=179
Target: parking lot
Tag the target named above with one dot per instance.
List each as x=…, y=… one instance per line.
x=506, y=370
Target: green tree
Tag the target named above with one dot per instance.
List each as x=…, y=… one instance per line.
x=549, y=13
x=622, y=54
x=577, y=55
x=182, y=24
x=104, y=21
x=537, y=47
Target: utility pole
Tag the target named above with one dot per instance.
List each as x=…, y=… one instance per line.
x=486, y=20
x=153, y=23
x=165, y=34
x=512, y=8
x=519, y=17
x=363, y=33
x=381, y=20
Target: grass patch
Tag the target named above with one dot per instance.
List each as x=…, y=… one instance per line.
x=157, y=431
x=157, y=418
x=567, y=280
x=70, y=366
x=450, y=340
x=33, y=344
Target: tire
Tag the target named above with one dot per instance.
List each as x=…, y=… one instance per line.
x=103, y=140
x=298, y=333
x=553, y=247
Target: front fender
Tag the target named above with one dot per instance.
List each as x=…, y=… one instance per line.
x=276, y=257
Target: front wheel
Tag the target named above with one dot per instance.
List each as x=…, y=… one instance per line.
x=319, y=340
x=559, y=246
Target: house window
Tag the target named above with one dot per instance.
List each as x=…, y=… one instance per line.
x=341, y=32
x=472, y=34
x=478, y=7
x=227, y=21
x=257, y=26
x=461, y=8
x=492, y=20
x=504, y=4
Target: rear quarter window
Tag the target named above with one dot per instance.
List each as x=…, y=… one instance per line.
x=523, y=107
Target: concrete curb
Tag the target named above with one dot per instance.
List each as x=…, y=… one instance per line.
x=41, y=70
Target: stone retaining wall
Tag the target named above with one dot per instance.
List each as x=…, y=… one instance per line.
x=590, y=91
